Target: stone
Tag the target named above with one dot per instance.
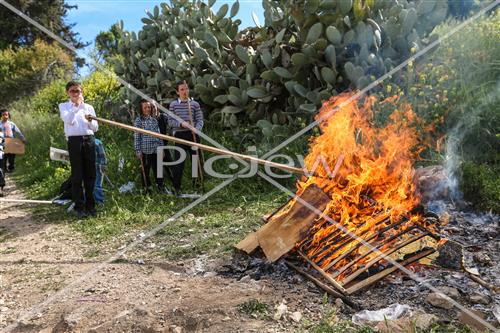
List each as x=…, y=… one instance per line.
x=210, y=274
x=478, y=298
x=424, y=321
x=475, y=323
x=339, y=304
x=245, y=279
x=439, y=301
x=393, y=326
x=482, y=258
x=496, y=312
x=296, y=316
x=280, y=311
x=420, y=321
x=177, y=329
x=451, y=255
x=140, y=311
x=449, y=291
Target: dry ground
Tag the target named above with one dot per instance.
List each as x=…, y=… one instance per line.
x=38, y=259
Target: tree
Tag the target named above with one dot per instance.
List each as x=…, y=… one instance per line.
x=23, y=71
x=15, y=31
x=107, y=42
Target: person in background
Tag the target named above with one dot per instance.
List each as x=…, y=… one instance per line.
x=146, y=146
x=164, y=128
x=79, y=128
x=100, y=168
x=10, y=130
x=2, y=178
x=190, y=112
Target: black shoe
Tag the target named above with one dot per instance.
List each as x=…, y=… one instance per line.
x=166, y=191
x=91, y=212
x=80, y=214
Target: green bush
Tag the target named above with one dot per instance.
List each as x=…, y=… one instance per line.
x=39, y=120
x=481, y=185
x=48, y=98
x=455, y=91
x=25, y=70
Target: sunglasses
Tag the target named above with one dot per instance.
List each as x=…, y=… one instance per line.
x=75, y=91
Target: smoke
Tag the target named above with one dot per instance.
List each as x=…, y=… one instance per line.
x=457, y=134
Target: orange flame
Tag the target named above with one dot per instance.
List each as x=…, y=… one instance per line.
x=374, y=186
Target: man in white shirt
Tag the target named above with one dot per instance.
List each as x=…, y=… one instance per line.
x=79, y=129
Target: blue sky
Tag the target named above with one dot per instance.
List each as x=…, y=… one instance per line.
x=94, y=16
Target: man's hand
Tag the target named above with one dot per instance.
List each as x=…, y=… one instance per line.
x=88, y=117
x=78, y=101
x=138, y=155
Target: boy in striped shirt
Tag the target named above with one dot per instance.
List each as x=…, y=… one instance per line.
x=190, y=112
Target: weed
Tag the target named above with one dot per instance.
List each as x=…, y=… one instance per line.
x=9, y=250
x=254, y=308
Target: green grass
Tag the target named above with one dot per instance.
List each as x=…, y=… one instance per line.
x=9, y=250
x=254, y=308
x=212, y=227
x=348, y=327
x=4, y=234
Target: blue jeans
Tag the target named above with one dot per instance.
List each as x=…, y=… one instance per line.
x=98, y=191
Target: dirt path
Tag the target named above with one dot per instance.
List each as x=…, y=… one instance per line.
x=38, y=259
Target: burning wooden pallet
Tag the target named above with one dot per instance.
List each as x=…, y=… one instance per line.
x=341, y=259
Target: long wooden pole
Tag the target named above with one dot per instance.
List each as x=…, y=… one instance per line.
x=26, y=201
x=215, y=150
x=201, y=159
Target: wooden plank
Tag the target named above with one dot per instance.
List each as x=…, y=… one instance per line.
x=325, y=287
x=359, y=244
x=385, y=272
x=381, y=243
x=283, y=232
x=249, y=243
x=323, y=273
x=391, y=250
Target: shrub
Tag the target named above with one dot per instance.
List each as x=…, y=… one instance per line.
x=25, y=70
x=481, y=185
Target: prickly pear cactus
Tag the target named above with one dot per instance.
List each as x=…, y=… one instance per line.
x=272, y=75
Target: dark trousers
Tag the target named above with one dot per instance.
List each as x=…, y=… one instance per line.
x=149, y=163
x=167, y=157
x=2, y=179
x=178, y=169
x=82, y=159
x=9, y=160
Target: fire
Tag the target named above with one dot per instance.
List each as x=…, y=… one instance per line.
x=374, y=187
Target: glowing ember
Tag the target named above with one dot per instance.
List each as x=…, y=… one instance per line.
x=374, y=188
